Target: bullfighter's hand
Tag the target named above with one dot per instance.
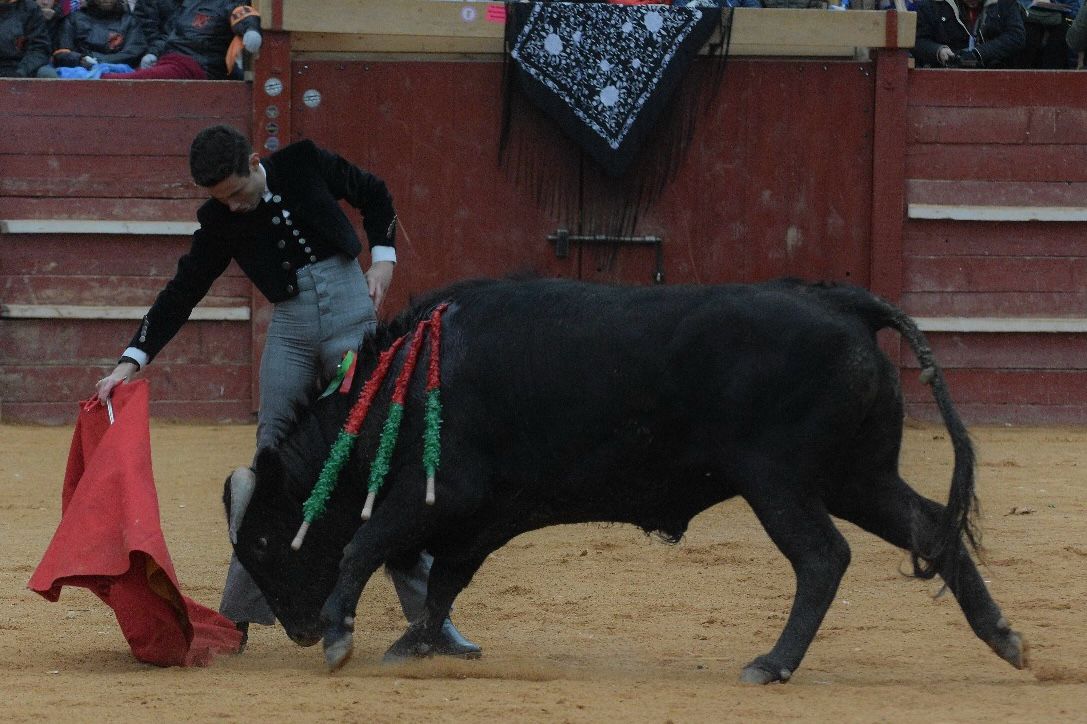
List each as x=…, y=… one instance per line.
x=378, y=279
x=120, y=373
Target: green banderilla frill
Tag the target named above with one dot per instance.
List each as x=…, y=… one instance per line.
x=380, y=467
x=314, y=507
x=432, y=443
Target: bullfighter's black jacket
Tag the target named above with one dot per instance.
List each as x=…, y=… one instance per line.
x=308, y=181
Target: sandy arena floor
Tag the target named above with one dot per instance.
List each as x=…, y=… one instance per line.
x=583, y=623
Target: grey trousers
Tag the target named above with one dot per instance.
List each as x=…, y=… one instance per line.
x=306, y=340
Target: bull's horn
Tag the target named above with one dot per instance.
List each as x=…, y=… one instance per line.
x=242, y=484
x=430, y=497
x=368, y=509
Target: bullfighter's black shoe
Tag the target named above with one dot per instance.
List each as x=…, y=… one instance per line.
x=242, y=626
x=416, y=644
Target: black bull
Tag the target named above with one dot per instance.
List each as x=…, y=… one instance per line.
x=567, y=402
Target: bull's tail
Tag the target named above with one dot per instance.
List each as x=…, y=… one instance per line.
x=937, y=552
x=940, y=552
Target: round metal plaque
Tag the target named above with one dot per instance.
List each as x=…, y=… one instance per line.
x=273, y=86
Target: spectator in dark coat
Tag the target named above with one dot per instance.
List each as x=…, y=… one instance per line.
x=969, y=34
x=101, y=31
x=54, y=21
x=24, y=41
x=156, y=19
x=205, y=42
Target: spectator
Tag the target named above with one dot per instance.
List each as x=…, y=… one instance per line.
x=101, y=31
x=1076, y=37
x=967, y=33
x=24, y=41
x=156, y=20
x=54, y=21
x=205, y=42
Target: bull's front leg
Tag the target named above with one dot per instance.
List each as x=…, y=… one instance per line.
x=360, y=559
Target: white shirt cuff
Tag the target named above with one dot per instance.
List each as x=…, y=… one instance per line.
x=383, y=253
x=137, y=354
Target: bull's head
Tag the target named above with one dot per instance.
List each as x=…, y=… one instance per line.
x=295, y=583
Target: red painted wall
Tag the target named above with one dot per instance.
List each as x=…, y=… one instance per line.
x=998, y=138
x=799, y=167
x=110, y=150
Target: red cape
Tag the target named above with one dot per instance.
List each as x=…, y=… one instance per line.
x=110, y=540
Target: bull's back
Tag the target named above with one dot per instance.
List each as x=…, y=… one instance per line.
x=579, y=381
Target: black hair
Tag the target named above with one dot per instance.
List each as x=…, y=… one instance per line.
x=218, y=152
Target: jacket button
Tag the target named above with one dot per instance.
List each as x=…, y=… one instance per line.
x=313, y=258
x=286, y=265
x=290, y=288
x=277, y=198
x=297, y=232
x=307, y=250
x=281, y=243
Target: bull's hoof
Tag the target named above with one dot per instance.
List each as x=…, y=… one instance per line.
x=338, y=649
x=417, y=644
x=1010, y=646
x=763, y=671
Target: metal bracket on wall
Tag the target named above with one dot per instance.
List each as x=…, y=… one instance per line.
x=562, y=239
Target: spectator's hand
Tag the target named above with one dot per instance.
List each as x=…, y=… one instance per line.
x=148, y=60
x=252, y=41
x=944, y=54
x=88, y=61
x=121, y=372
x=378, y=279
x=971, y=58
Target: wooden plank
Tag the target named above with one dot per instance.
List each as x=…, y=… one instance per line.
x=97, y=226
x=83, y=311
x=1037, y=239
x=994, y=274
x=997, y=213
x=995, y=88
x=122, y=258
x=888, y=185
x=1006, y=387
x=1031, y=325
x=100, y=342
x=763, y=31
x=34, y=135
x=113, y=290
x=162, y=176
x=64, y=382
x=61, y=105
x=80, y=207
x=64, y=413
x=1005, y=350
x=982, y=193
x=1002, y=123
x=994, y=304
x=1010, y=414
x=1066, y=162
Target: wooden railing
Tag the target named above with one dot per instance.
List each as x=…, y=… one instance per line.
x=422, y=27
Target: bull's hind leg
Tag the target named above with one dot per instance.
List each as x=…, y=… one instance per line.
x=895, y=512
x=802, y=529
